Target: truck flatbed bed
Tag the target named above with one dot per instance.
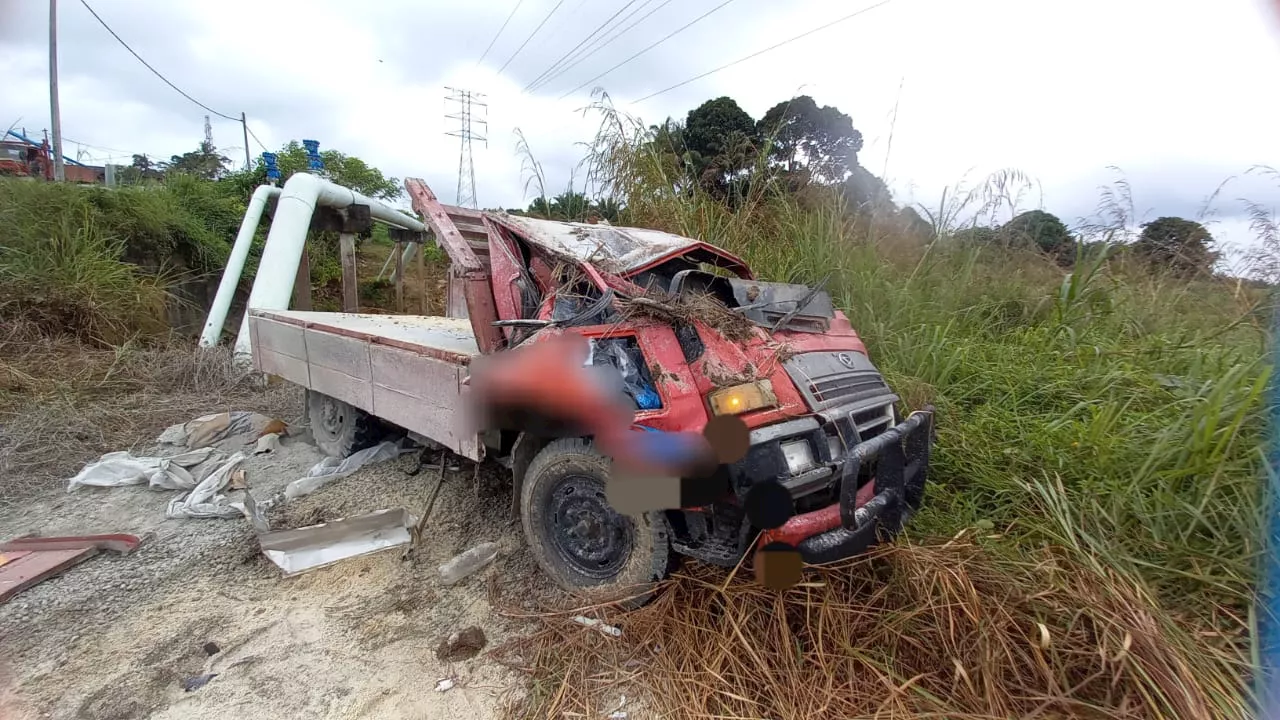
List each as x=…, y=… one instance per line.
x=443, y=337
x=406, y=369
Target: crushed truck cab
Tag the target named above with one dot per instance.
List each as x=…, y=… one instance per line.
x=692, y=334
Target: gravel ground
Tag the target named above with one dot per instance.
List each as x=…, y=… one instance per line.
x=115, y=637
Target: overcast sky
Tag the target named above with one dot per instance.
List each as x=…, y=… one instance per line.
x=1179, y=94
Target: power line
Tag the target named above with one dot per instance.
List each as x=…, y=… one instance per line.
x=526, y=40
x=91, y=145
x=633, y=57
x=148, y=65
x=589, y=36
x=254, y=135
x=504, y=27
x=761, y=52
x=607, y=42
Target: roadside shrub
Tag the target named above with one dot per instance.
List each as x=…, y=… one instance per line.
x=97, y=262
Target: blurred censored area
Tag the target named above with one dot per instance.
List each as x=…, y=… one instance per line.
x=547, y=389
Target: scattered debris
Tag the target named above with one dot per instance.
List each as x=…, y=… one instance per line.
x=267, y=443
x=28, y=561
x=203, y=469
x=117, y=543
x=330, y=469
x=444, y=685
x=307, y=548
x=238, y=480
x=117, y=469
x=462, y=645
x=687, y=307
x=211, y=648
x=467, y=563
x=422, y=521
x=197, y=682
x=206, y=500
x=592, y=622
x=218, y=427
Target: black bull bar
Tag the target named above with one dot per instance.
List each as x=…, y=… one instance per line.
x=901, y=461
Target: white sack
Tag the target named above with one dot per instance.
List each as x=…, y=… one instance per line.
x=117, y=469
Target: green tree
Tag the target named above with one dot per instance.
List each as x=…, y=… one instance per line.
x=720, y=138
x=141, y=169
x=608, y=209
x=709, y=126
x=570, y=205
x=204, y=162
x=820, y=141
x=862, y=189
x=1038, y=229
x=346, y=170
x=540, y=208
x=1182, y=247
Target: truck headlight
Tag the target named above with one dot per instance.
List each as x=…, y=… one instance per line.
x=743, y=398
x=799, y=456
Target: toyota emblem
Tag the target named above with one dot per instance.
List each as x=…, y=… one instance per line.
x=846, y=360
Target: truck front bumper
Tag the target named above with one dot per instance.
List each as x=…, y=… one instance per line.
x=873, y=511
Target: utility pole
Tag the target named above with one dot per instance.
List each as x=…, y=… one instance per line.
x=466, y=166
x=244, y=125
x=59, y=171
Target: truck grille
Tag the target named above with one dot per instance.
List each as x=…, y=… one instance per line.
x=838, y=388
x=838, y=379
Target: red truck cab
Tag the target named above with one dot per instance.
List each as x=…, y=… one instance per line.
x=692, y=334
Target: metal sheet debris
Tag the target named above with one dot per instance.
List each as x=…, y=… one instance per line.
x=308, y=548
x=28, y=561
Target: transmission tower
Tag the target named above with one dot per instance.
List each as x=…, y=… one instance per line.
x=208, y=134
x=466, y=118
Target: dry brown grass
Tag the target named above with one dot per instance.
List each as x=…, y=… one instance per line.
x=911, y=630
x=686, y=308
x=63, y=402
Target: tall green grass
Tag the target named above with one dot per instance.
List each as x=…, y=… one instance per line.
x=1101, y=409
x=98, y=262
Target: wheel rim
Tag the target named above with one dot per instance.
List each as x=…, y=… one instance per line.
x=332, y=415
x=585, y=530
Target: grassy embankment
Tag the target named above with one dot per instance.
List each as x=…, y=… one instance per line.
x=1098, y=454
x=1091, y=539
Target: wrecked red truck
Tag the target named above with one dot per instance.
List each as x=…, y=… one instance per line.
x=692, y=335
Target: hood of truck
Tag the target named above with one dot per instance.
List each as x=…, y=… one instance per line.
x=618, y=250
x=808, y=373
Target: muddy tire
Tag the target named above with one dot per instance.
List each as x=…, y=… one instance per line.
x=339, y=428
x=578, y=539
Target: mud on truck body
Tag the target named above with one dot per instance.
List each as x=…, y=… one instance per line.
x=692, y=333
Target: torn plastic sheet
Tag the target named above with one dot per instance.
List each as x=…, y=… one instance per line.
x=206, y=500
x=204, y=472
x=122, y=468
x=330, y=469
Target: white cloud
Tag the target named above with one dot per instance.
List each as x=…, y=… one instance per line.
x=1177, y=94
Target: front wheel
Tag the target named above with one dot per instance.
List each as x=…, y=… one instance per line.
x=578, y=539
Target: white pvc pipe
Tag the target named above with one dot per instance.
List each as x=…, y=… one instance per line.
x=235, y=265
x=273, y=286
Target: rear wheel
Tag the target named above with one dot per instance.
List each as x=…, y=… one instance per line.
x=340, y=428
x=578, y=539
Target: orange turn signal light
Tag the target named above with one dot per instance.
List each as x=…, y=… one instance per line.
x=739, y=399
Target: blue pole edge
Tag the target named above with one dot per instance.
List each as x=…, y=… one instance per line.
x=1267, y=639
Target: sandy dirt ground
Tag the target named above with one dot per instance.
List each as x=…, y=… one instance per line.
x=115, y=638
